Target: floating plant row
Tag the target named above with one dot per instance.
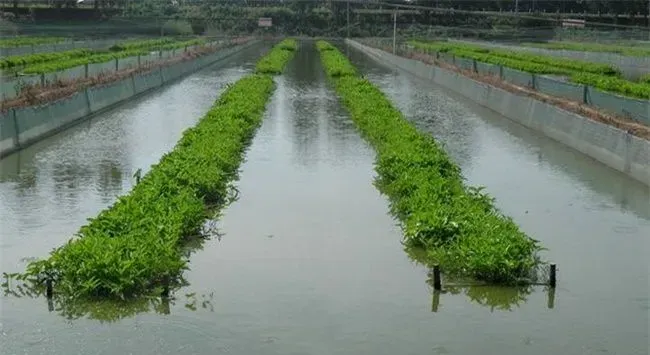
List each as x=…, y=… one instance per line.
x=134, y=246
x=281, y=53
x=457, y=226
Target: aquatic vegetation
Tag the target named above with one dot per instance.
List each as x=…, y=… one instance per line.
x=550, y=63
x=20, y=60
x=601, y=76
x=273, y=62
x=336, y=65
x=141, y=44
x=135, y=246
x=457, y=225
x=103, y=56
x=29, y=41
x=615, y=85
x=635, y=51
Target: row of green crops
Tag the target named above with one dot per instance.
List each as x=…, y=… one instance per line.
x=594, y=47
x=134, y=246
x=571, y=65
x=99, y=57
x=458, y=226
x=141, y=44
x=600, y=76
x=639, y=90
x=338, y=64
x=28, y=41
x=30, y=59
x=281, y=53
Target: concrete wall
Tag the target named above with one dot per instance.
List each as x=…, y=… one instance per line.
x=57, y=47
x=631, y=67
x=609, y=145
x=8, y=84
x=24, y=126
x=632, y=108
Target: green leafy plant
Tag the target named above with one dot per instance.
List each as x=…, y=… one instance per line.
x=20, y=60
x=134, y=49
x=134, y=246
x=335, y=64
x=274, y=61
x=551, y=63
x=634, y=51
x=458, y=226
x=28, y=41
x=600, y=76
x=615, y=85
x=645, y=79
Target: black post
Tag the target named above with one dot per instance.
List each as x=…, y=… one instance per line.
x=48, y=288
x=165, y=292
x=552, y=279
x=550, y=301
x=436, y=277
x=435, y=302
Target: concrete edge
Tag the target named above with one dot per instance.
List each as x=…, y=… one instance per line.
x=608, y=145
x=16, y=145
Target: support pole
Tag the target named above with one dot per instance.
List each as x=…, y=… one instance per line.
x=435, y=301
x=348, y=19
x=437, y=285
x=48, y=288
x=552, y=279
x=394, y=31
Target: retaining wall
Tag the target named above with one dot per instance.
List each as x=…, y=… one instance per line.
x=609, y=145
x=631, y=67
x=57, y=47
x=632, y=108
x=10, y=86
x=24, y=126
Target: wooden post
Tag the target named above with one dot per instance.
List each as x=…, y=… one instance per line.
x=436, y=277
x=552, y=279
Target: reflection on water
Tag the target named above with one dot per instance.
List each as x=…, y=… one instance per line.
x=493, y=297
x=111, y=311
x=114, y=310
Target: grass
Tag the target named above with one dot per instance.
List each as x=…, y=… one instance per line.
x=457, y=225
x=273, y=62
x=600, y=76
x=28, y=41
x=134, y=246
